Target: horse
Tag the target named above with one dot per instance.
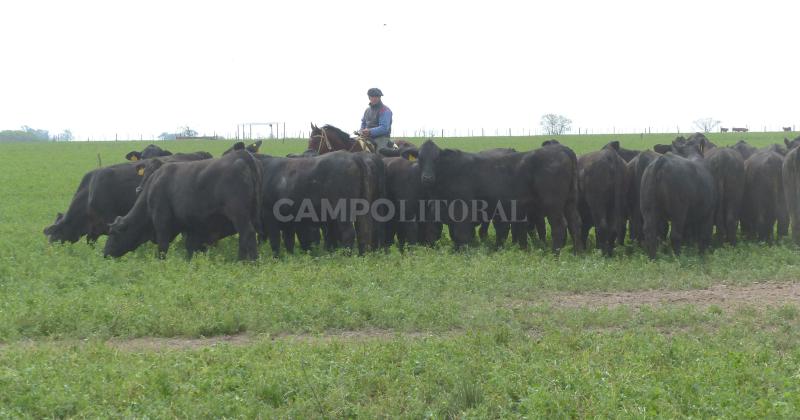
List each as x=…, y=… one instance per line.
x=329, y=138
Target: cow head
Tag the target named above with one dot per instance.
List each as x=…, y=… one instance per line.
x=150, y=151
x=429, y=154
x=662, y=148
x=692, y=148
x=744, y=149
x=550, y=142
x=791, y=144
x=613, y=145
x=145, y=170
x=60, y=231
x=123, y=238
x=410, y=153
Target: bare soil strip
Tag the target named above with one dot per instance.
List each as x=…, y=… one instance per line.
x=726, y=297
x=723, y=296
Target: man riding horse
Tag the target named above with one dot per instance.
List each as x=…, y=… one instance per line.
x=376, y=124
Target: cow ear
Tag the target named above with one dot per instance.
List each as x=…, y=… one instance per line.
x=410, y=154
x=133, y=156
x=613, y=145
x=662, y=148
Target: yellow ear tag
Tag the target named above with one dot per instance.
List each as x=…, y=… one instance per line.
x=134, y=158
x=411, y=158
x=140, y=172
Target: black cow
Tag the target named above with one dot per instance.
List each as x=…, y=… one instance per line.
x=635, y=169
x=745, y=149
x=149, y=152
x=542, y=181
x=202, y=200
x=727, y=168
x=102, y=195
x=300, y=194
x=764, y=201
x=404, y=190
x=790, y=172
x=601, y=183
x=239, y=145
x=680, y=190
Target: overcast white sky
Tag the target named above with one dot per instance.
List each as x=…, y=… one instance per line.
x=146, y=67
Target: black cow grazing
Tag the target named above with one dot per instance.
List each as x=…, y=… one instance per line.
x=790, y=172
x=680, y=190
x=727, y=168
x=301, y=194
x=102, y=195
x=723, y=130
x=764, y=202
x=787, y=129
x=404, y=189
x=740, y=129
x=239, y=145
x=744, y=148
x=149, y=152
x=203, y=200
x=601, y=183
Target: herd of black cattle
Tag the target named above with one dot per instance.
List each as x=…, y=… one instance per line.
x=681, y=191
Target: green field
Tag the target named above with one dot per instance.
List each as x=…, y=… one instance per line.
x=430, y=333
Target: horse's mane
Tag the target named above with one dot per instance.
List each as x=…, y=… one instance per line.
x=341, y=133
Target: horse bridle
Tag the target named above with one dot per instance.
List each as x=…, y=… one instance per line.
x=322, y=137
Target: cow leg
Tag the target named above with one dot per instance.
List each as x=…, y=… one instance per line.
x=558, y=230
x=676, y=234
x=731, y=225
x=393, y=227
x=483, y=231
x=461, y=233
x=248, y=245
x=705, y=231
x=519, y=234
x=346, y=235
x=501, y=230
x=274, y=234
x=288, y=233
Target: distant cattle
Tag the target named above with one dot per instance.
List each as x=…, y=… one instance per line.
x=723, y=130
x=203, y=200
x=787, y=129
x=740, y=129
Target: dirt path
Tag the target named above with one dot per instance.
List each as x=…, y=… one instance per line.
x=726, y=297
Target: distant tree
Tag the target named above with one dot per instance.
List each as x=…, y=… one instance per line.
x=187, y=132
x=706, y=124
x=24, y=134
x=553, y=124
x=66, y=135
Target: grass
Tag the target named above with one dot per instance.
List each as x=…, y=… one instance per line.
x=442, y=334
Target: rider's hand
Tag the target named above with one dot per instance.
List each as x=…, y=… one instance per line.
x=365, y=132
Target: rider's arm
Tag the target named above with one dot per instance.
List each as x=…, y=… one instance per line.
x=384, y=122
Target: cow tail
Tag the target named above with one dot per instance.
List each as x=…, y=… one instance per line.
x=379, y=227
x=255, y=174
x=619, y=199
x=720, y=208
x=364, y=225
x=571, y=204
